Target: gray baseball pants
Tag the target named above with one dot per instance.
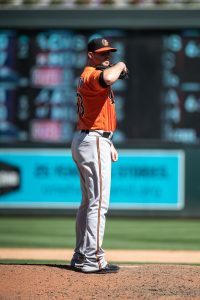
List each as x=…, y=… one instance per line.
x=91, y=153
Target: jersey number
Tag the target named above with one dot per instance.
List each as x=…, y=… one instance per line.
x=80, y=106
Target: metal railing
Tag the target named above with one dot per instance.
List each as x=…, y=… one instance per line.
x=99, y=3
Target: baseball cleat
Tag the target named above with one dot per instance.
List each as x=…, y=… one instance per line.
x=108, y=269
x=78, y=261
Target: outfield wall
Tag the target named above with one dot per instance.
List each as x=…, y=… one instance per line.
x=145, y=182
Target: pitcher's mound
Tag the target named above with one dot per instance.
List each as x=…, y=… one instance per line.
x=132, y=282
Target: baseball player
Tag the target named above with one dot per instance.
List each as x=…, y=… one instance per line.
x=93, y=152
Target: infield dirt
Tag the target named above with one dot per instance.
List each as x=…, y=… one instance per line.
x=147, y=282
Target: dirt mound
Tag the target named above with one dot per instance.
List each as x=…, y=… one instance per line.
x=132, y=282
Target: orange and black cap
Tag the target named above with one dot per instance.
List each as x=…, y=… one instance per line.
x=100, y=45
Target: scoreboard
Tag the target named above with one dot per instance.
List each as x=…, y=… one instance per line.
x=39, y=71
x=181, y=87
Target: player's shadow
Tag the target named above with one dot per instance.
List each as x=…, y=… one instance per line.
x=65, y=267
x=59, y=266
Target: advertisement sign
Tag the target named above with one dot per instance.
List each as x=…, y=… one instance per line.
x=46, y=178
x=148, y=179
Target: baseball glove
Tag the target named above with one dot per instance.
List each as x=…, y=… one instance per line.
x=123, y=75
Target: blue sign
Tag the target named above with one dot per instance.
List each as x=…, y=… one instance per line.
x=49, y=179
x=148, y=180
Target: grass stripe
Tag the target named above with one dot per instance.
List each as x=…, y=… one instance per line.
x=51, y=232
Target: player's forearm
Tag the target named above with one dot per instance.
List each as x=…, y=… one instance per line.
x=111, y=74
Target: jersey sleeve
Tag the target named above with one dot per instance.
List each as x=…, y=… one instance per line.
x=96, y=81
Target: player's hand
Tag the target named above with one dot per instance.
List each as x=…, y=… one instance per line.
x=124, y=73
x=115, y=72
x=114, y=154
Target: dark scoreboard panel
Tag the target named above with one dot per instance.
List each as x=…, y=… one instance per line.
x=39, y=71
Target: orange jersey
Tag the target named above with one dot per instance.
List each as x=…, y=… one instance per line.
x=96, y=107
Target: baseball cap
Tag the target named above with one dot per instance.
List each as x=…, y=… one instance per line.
x=100, y=45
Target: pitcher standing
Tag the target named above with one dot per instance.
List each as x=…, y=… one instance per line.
x=93, y=152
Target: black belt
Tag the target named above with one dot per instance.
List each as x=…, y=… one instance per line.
x=105, y=134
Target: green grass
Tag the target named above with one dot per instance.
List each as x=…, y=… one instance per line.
x=31, y=262
x=132, y=233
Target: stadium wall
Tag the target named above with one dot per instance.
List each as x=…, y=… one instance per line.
x=140, y=19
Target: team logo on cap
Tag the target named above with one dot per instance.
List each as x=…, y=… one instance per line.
x=104, y=42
